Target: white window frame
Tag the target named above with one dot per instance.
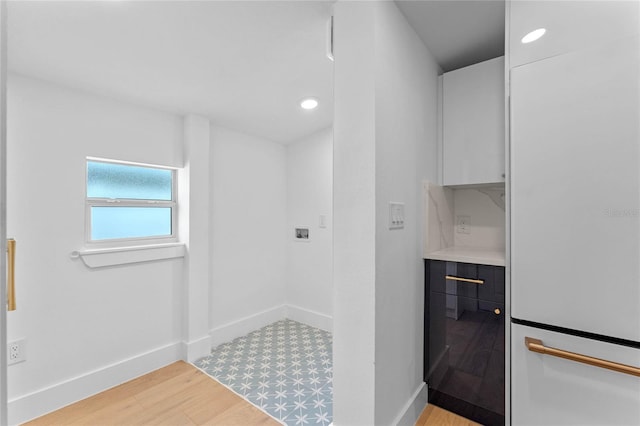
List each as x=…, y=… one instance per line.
x=123, y=202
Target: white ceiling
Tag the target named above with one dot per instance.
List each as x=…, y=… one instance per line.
x=244, y=64
x=458, y=32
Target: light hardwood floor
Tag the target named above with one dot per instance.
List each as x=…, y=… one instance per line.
x=180, y=394
x=433, y=415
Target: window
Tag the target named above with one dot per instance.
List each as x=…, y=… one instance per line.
x=129, y=201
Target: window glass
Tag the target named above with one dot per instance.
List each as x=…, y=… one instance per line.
x=111, y=222
x=113, y=181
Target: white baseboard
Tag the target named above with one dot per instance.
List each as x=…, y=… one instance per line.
x=196, y=349
x=229, y=331
x=309, y=317
x=27, y=407
x=413, y=408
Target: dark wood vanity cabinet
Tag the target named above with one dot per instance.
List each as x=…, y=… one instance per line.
x=464, y=325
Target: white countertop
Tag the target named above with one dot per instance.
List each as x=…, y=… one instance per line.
x=477, y=255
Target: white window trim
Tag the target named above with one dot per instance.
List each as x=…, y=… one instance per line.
x=134, y=242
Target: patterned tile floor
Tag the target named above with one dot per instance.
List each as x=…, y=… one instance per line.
x=285, y=368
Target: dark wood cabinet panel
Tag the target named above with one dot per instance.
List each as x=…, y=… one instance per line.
x=464, y=339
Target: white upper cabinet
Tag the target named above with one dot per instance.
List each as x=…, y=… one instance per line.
x=473, y=124
x=570, y=26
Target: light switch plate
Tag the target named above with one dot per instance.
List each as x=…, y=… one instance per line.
x=396, y=215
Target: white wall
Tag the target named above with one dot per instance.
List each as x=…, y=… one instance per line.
x=354, y=257
x=309, y=287
x=406, y=141
x=91, y=329
x=79, y=321
x=248, y=221
x=380, y=62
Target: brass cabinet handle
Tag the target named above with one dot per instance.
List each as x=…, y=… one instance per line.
x=11, y=274
x=536, y=345
x=466, y=280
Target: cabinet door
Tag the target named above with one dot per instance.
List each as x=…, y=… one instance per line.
x=473, y=124
x=547, y=390
x=575, y=228
x=464, y=358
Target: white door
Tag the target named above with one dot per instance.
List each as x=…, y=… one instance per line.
x=3, y=221
x=575, y=162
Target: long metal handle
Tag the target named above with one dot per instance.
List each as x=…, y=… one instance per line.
x=11, y=274
x=536, y=345
x=466, y=280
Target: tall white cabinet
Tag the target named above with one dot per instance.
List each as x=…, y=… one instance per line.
x=575, y=190
x=575, y=211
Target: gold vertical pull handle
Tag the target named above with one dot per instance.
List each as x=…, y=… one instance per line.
x=536, y=345
x=466, y=280
x=11, y=274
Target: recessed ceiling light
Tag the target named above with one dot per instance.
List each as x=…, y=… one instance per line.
x=533, y=35
x=309, y=103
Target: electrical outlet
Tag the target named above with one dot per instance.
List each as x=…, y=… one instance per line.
x=462, y=224
x=16, y=351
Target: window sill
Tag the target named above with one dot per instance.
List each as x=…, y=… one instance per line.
x=98, y=258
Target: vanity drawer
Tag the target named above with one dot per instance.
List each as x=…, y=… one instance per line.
x=481, y=282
